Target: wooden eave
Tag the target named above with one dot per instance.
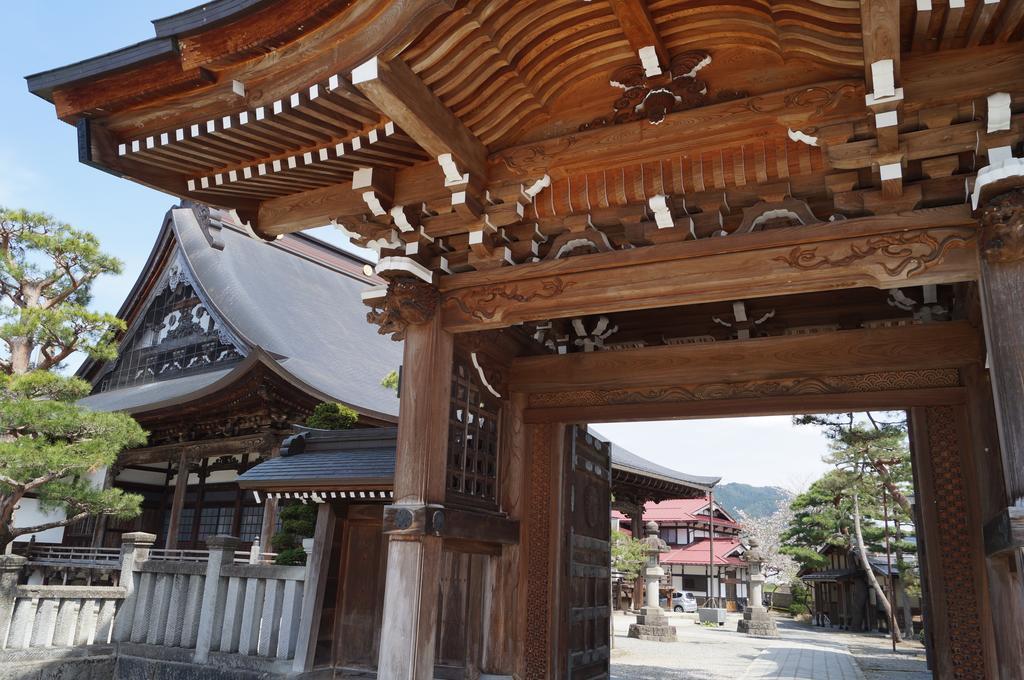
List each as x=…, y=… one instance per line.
x=481, y=137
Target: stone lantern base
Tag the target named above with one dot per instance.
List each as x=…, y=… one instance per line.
x=757, y=621
x=652, y=624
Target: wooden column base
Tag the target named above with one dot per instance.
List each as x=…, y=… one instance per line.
x=407, y=632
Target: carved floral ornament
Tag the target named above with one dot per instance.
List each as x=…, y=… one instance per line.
x=406, y=302
x=654, y=97
x=1002, y=228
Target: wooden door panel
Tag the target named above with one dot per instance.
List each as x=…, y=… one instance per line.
x=588, y=532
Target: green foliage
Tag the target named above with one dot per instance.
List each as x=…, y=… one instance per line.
x=390, y=381
x=297, y=522
x=48, y=444
x=754, y=501
x=797, y=609
x=628, y=555
x=47, y=269
x=291, y=557
x=332, y=416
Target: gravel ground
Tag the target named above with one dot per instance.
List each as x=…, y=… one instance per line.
x=800, y=653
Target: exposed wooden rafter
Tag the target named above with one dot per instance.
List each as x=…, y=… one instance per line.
x=403, y=97
x=635, y=19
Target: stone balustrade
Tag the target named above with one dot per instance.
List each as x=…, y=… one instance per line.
x=186, y=609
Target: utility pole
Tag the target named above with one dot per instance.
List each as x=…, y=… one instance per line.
x=888, y=566
x=712, y=594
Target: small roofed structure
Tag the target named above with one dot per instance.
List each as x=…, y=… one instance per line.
x=352, y=471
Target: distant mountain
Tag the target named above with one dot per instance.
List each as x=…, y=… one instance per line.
x=756, y=501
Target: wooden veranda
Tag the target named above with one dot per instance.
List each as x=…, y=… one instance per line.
x=626, y=210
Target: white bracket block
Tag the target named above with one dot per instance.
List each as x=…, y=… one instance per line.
x=538, y=186
x=883, y=77
x=998, y=112
x=798, y=136
x=649, y=59
x=452, y=176
x=662, y=213
x=365, y=71
x=886, y=119
x=890, y=171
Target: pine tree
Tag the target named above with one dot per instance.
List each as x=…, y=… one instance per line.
x=48, y=443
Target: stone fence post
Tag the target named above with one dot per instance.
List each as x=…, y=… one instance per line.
x=134, y=549
x=10, y=569
x=211, y=613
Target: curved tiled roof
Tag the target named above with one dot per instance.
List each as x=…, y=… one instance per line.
x=296, y=300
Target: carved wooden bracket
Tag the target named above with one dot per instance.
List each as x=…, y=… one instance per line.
x=406, y=302
x=654, y=97
x=1002, y=227
x=788, y=212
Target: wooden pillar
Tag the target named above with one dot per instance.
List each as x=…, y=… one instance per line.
x=177, y=503
x=542, y=546
x=197, y=515
x=1001, y=255
x=947, y=499
x=504, y=630
x=411, y=592
x=1001, y=285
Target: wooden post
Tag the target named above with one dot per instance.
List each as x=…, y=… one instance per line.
x=269, y=525
x=308, y=625
x=953, y=568
x=180, y=485
x=197, y=515
x=503, y=630
x=1002, y=287
x=411, y=590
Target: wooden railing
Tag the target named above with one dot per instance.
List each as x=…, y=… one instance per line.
x=62, y=616
x=60, y=555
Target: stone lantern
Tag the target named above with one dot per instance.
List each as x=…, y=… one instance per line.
x=651, y=623
x=756, y=619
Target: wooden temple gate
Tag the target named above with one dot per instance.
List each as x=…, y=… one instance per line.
x=625, y=210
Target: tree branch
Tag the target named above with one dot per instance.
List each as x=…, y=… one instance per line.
x=21, y=531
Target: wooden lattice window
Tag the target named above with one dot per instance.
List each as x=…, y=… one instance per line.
x=472, y=441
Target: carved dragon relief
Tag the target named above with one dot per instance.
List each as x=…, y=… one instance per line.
x=905, y=254
x=483, y=303
x=407, y=302
x=654, y=97
x=1002, y=223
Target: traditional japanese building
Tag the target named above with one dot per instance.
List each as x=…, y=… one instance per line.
x=843, y=598
x=625, y=210
x=685, y=525
x=225, y=349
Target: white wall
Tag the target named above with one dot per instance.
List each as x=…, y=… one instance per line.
x=29, y=514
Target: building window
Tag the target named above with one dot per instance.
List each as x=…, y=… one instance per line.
x=252, y=523
x=472, y=440
x=670, y=536
x=215, y=522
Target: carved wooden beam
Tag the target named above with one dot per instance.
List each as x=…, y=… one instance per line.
x=919, y=247
x=854, y=352
x=402, y=96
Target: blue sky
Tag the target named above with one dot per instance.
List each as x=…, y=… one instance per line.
x=39, y=170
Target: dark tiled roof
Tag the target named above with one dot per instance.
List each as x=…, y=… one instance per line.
x=630, y=462
x=296, y=299
x=315, y=459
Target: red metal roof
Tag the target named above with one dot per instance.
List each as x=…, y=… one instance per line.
x=698, y=553
x=680, y=510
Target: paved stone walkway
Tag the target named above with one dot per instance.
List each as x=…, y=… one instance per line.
x=800, y=653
